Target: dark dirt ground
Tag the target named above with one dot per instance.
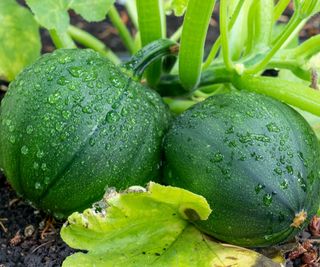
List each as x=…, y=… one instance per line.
x=26, y=236
x=30, y=238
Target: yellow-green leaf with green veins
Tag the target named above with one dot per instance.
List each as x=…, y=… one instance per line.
x=93, y=10
x=53, y=14
x=20, y=40
x=177, y=6
x=150, y=228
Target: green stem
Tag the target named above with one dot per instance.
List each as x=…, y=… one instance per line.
x=250, y=26
x=61, y=40
x=194, y=32
x=170, y=85
x=86, y=39
x=150, y=18
x=293, y=93
x=132, y=12
x=176, y=35
x=122, y=29
x=216, y=45
x=279, y=8
x=294, y=22
x=213, y=53
x=224, y=34
x=178, y=106
x=263, y=23
x=290, y=64
x=149, y=54
x=307, y=49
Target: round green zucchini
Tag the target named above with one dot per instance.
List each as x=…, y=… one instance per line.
x=72, y=124
x=255, y=160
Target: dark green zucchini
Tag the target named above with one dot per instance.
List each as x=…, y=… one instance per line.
x=73, y=124
x=255, y=160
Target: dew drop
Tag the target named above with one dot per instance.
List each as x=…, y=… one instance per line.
x=258, y=188
x=115, y=82
x=12, y=139
x=40, y=154
x=8, y=122
x=44, y=167
x=75, y=71
x=272, y=127
x=267, y=199
x=289, y=169
x=92, y=142
x=112, y=116
x=278, y=171
x=11, y=128
x=107, y=146
x=62, y=81
x=37, y=186
x=217, y=157
x=24, y=150
x=87, y=110
x=230, y=130
x=91, y=76
x=232, y=144
x=267, y=237
x=46, y=180
x=302, y=182
x=29, y=129
x=59, y=126
x=54, y=98
x=66, y=114
x=36, y=165
x=284, y=184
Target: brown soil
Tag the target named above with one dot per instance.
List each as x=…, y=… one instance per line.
x=24, y=241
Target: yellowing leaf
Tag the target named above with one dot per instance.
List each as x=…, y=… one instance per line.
x=20, y=40
x=151, y=228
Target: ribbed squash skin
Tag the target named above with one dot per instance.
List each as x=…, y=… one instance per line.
x=254, y=159
x=72, y=124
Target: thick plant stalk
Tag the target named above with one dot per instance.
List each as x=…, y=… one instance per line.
x=88, y=40
x=151, y=20
x=61, y=40
x=195, y=26
x=149, y=54
x=122, y=29
x=217, y=44
x=292, y=93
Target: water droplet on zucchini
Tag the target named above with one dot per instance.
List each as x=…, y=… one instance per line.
x=267, y=199
x=112, y=116
x=29, y=129
x=272, y=127
x=24, y=150
x=217, y=157
x=37, y=186
x=259, y=187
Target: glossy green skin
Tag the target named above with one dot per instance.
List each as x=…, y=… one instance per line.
x=73, y=124
x=254, y=159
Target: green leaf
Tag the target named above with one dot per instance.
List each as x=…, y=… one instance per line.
x=52, y=14
x=177, y=6
x=150, y=228
x=20, y=40
x=93, y=10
